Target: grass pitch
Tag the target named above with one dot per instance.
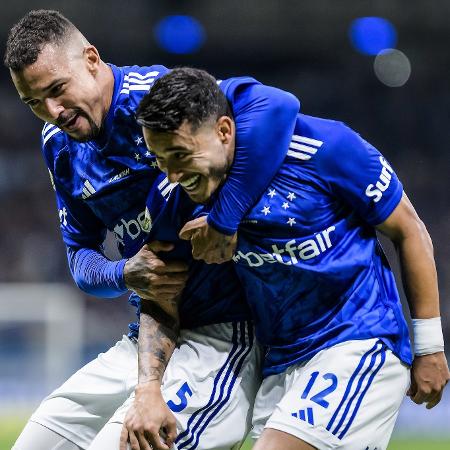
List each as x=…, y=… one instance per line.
x=10, y=428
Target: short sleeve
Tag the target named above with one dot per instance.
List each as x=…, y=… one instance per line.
x=357, y=172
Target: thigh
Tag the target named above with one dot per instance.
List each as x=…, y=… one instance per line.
x=276, y=440
x=210, y=385
x=85, y=402
x=346, y=397
x=38, y=437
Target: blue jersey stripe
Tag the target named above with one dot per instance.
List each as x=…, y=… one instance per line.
x=236, y=372
x=361, y=381
x=358, y=404
x=200, y=413
x=350, y=384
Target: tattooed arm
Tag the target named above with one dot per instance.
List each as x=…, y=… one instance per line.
x=158, y=332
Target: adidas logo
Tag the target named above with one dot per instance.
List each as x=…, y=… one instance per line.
x=303, y=148
x=304, y=414
x=88, y=190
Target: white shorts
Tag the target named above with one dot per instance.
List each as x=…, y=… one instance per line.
x=210, y=384
x=345, y=397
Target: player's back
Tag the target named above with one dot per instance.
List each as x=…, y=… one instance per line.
x=308, y=255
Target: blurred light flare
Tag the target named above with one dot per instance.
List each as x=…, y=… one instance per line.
x=180, y=34
x=392, y=67
x=371, y=35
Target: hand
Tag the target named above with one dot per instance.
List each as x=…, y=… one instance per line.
x=429, y=375
x=148, y=419
x=207, y=243
x=153, y=279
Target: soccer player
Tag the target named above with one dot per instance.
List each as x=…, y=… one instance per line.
x=102, y=173
x=322, y=294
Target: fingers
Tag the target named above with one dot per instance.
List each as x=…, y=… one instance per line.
x=426, y=395
x=174, y=279
x=123, y=439
x=134, y=441
x=191, y=227
x=159, y=246
x=170, y=430
x=433, y=402
x=429, y=375
x=412, y=389
x=155, y=440
x=175, y=266
x=144, y=442
x=157, y=266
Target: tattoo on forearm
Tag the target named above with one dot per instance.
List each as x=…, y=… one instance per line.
x=158, y=333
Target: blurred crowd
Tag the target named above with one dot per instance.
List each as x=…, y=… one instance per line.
x=409, y=125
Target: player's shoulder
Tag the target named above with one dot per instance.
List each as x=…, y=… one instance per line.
x=135, y=82
x=322, y=140
x=53, y=140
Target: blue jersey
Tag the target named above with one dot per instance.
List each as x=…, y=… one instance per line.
x=103, y=184
x=308, y=254
x=213, y=292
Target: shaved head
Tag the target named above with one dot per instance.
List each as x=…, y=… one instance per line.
x=37, y=29
x=59, y=74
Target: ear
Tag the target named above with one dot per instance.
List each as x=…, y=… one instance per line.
x=225, y=129
x=92, y=58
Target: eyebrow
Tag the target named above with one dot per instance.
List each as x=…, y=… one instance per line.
x=177, y=148
x=47, y=88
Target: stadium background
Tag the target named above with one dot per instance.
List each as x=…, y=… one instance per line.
x=399, y=101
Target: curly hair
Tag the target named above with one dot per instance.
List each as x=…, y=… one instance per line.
x=28, y=36
x=184, y=94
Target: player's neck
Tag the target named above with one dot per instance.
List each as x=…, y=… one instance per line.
x=106, y=78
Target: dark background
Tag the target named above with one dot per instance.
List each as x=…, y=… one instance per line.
x=300, y=46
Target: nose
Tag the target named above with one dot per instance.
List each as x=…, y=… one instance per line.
x=174, y=175
x=53, y=107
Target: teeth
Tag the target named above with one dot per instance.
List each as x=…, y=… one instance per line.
x=190, y=183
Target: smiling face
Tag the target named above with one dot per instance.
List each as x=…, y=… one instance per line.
x=198, y=160
x=62, y=87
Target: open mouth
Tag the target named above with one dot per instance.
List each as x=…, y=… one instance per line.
x=71, y=123
x=190, y=184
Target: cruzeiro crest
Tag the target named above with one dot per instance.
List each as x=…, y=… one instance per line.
x=147, y=222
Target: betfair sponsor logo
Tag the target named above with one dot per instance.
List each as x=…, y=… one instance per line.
x=292, y=253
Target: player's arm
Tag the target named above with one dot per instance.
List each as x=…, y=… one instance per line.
x=430, y=372
x=359, y=174
x=149, y=421
x=265, y=118
x=83, y=234
x=94, y=273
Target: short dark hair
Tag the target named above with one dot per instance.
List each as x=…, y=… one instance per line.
x=184, y=94
x=28, y=36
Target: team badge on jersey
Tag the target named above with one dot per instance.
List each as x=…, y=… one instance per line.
x=147, y=222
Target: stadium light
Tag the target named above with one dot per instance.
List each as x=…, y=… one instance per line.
x=179, y=34
x=371, y=35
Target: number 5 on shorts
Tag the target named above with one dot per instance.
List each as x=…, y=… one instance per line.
x=182, y=394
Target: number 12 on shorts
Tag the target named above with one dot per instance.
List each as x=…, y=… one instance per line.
x=319, y=397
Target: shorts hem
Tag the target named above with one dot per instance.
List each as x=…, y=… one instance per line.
x=74, y=438
x=325, y=441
